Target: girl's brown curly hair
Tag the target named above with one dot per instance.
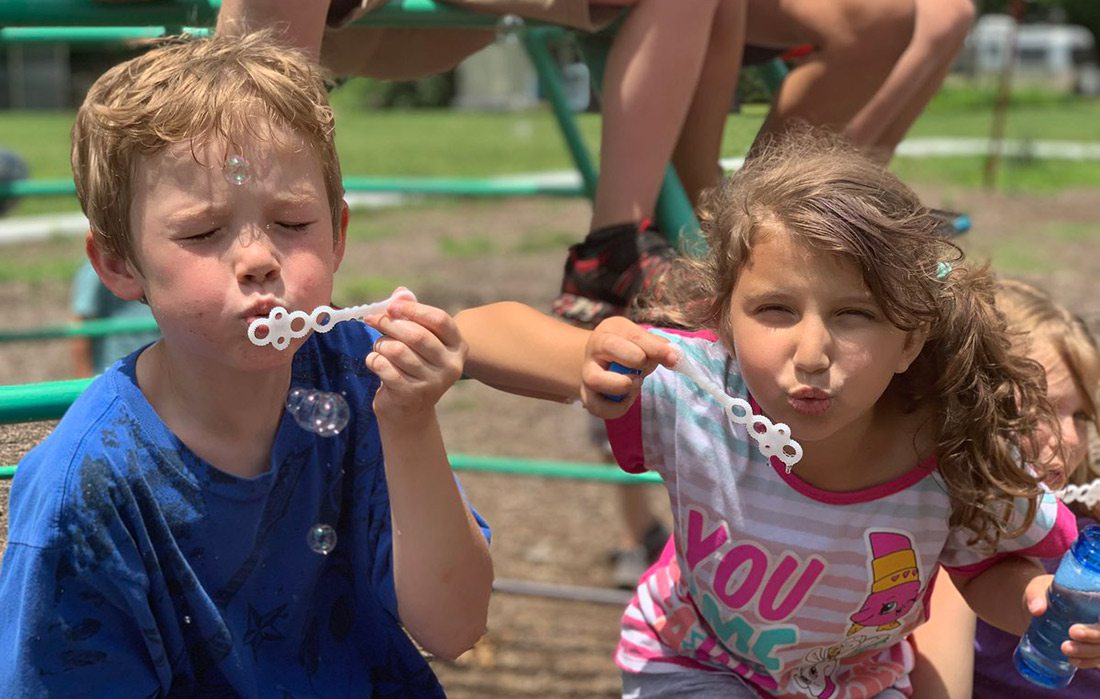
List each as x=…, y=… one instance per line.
x=988, y=399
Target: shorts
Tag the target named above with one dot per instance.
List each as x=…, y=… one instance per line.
x=688, y=684
x=406, y=53
x=699, y=684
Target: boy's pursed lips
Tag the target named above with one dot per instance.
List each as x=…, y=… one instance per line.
x=261, y=308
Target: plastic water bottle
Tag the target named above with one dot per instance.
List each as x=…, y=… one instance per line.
x=1074, y=598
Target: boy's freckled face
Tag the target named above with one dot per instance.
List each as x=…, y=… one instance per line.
x=213, y=255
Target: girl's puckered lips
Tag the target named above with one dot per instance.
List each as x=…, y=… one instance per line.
x=810, y=401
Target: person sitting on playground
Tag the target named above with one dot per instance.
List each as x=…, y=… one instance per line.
x=804, y=547
x=1062, y=343
x=91, y=300
x=179, y=532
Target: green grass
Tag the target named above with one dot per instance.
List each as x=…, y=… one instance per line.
x=47, y=262
x=469, y=144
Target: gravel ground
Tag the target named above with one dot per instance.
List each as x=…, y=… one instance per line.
x=459, y=254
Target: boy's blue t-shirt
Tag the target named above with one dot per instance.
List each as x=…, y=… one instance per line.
x=135, y=568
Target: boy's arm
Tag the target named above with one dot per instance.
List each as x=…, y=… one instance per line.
x=945, y=646
x=442, y=570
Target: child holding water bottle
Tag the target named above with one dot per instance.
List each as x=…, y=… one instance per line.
x=825, y=303
x=1060, y=341
x=178, y=533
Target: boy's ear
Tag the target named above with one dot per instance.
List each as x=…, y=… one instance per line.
x=341, y=236
x=117, y=274
x=914, y=343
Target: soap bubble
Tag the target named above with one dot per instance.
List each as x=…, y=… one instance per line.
x=236, y=170
x=509, y=28
x=321, y=539
x=318, y=411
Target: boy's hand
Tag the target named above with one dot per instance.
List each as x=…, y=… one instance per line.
x=419, y=356
x=1083, y=646
x=624, y=342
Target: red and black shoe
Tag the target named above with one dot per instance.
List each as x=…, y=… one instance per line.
x=605, y=271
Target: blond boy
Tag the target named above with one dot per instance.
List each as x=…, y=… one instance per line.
x=160, y=538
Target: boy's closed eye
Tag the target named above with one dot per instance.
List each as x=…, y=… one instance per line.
x=191, y=238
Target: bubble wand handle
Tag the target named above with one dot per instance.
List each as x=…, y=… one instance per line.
x=281, y=326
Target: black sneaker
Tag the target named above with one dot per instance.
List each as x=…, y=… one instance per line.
x=608, y=269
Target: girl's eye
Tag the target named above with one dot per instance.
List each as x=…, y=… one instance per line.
x=859, y=313
x=1081, y=417
x=772, y=308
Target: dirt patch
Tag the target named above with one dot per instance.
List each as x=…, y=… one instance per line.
x=460, y=254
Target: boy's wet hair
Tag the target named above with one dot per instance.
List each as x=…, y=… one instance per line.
x=198, y=91
x=816, y=187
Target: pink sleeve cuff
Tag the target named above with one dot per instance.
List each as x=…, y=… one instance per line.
x=1057, y=541
x=625, y=435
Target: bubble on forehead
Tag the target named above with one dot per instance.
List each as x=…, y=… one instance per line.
x=236, y=169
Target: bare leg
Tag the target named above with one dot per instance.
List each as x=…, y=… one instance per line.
x=700, y=144
x=652, y=71
x=858, y=42
x=939, y=34
x=638, y=516
x=302, y=22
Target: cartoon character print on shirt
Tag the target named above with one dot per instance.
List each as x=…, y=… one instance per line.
x=816, y=674
x=895, y=582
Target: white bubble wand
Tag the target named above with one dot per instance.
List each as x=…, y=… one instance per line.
x=773, y=439
x=281, y=326
x=1087, y=493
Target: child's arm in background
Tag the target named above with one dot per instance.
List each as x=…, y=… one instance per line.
x=442, y=570
x=945, y=646
x=1012, y=591
x=517, y=349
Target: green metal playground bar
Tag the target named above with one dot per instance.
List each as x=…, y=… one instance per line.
x=465, y=187
x=50, y=400
x=89, y=328
x=200, y=13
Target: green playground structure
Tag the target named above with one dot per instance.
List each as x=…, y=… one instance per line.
x=90, y=22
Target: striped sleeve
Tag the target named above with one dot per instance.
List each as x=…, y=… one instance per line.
x=1049, y=536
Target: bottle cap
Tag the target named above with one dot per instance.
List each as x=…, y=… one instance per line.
x=1087, y=547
